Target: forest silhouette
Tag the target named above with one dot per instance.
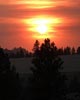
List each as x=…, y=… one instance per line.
x=20, y=52
x=46, y=82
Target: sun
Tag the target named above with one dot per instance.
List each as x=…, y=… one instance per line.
x=42, y=29
x=41, y=26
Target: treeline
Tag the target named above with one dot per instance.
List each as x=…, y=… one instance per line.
x=68, y=51
x=17, y=52
x=22, y=52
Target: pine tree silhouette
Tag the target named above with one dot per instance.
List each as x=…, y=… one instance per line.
x=46, y=82
x=9, y=80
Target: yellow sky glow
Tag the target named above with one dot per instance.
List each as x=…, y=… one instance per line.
x=42, y=26
x=38, y=4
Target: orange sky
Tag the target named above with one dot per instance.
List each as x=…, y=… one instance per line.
x=18, y=22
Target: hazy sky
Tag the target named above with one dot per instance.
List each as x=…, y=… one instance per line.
x=16, y=18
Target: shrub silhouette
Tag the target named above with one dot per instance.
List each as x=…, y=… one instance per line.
x=46, y=82
x=9, y=80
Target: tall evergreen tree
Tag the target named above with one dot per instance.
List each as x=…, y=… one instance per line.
x=47, y=81
x=9, y=80
x=36, y=47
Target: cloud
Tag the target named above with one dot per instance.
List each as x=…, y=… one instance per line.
x=21, y=11
x=18, y=12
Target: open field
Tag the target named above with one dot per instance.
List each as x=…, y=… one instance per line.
x=71, y=64
x=71, y=67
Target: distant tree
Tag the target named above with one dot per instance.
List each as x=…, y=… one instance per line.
x=47, y=81
x=67, y=51
x=60, y=51
x=73, y=51
x=36, y=47
x=20, y=52
x=17, y=52
x=9, y=79
x=78, y=50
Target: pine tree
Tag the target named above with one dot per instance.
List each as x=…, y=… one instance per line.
x=47, y=81
x=9, y=80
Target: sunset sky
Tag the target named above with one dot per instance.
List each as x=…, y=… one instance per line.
x=24, y=21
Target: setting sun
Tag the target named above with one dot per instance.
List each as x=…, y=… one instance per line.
x=41, y=25
x=42, y=29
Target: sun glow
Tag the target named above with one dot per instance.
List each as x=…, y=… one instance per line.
x=37, y=4
x=42, y=27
